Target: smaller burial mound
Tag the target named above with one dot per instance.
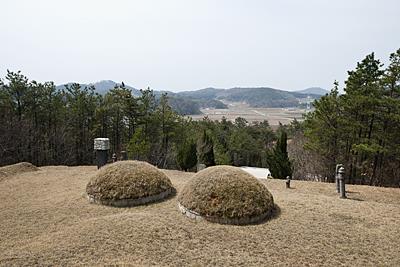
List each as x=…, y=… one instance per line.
x=227, y=195
x=17, y=168
x=128, y=183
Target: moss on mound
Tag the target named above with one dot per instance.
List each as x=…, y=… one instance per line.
x=227, y=192
x=14, y=169
x=118, y=183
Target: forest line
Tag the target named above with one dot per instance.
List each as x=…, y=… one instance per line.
x=360, y=129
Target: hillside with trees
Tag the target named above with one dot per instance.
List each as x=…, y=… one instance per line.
x=261, y=97
x=313, y=91
x=190, y=102
x=46, y=125
x=360, y=128
x=181, y=104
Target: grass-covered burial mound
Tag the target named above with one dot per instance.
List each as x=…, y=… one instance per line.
x=226, y=194
x=17, y=168
x=128, y=183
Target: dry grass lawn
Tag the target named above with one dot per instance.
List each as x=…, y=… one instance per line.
x=46, y=220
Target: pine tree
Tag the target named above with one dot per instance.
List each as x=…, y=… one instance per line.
x=360, y=128
x=205, y=150
x=81, y=103
x=139, y=146
x=324, y=128
x=166, y=118
x=361, y=110
x=221, y=148
x=278, y=159
x=186, y=156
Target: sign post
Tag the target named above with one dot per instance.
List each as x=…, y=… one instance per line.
x=342, y=183
x=101, y=145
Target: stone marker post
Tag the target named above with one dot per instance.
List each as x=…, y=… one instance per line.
x=337, y=176
x=342, y=183
x=124, y=155
x=101, y=145
x=287, y=181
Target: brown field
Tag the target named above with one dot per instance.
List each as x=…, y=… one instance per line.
x=46, y=220
x=272, y=115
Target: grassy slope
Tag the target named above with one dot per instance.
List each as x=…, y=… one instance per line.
x=45, y=219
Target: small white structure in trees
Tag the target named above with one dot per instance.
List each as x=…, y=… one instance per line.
x=259, y=173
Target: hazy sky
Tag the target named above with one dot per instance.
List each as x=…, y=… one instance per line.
x=183, y=45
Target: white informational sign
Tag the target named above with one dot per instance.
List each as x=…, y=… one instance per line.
x=101, y=144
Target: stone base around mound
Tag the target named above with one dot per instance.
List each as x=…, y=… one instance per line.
x=130, y=202
x=234, y=221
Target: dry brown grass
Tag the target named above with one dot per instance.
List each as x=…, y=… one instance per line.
x=127, y=180
x=226, y=192
x=46, y=220
x=17, y=168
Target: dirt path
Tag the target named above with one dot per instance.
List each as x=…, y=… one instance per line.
x=46, y=220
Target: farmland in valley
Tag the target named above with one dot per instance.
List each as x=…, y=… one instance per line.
x=251, y=114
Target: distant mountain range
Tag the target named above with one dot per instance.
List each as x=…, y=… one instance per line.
x=314, y=91
x=190, y=102
x=102, y=87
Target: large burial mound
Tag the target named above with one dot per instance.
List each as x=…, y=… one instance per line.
x=227, y=195
x=14, y=169
x=128, y=183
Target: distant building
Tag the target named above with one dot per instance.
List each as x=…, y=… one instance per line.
x=259, y=173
